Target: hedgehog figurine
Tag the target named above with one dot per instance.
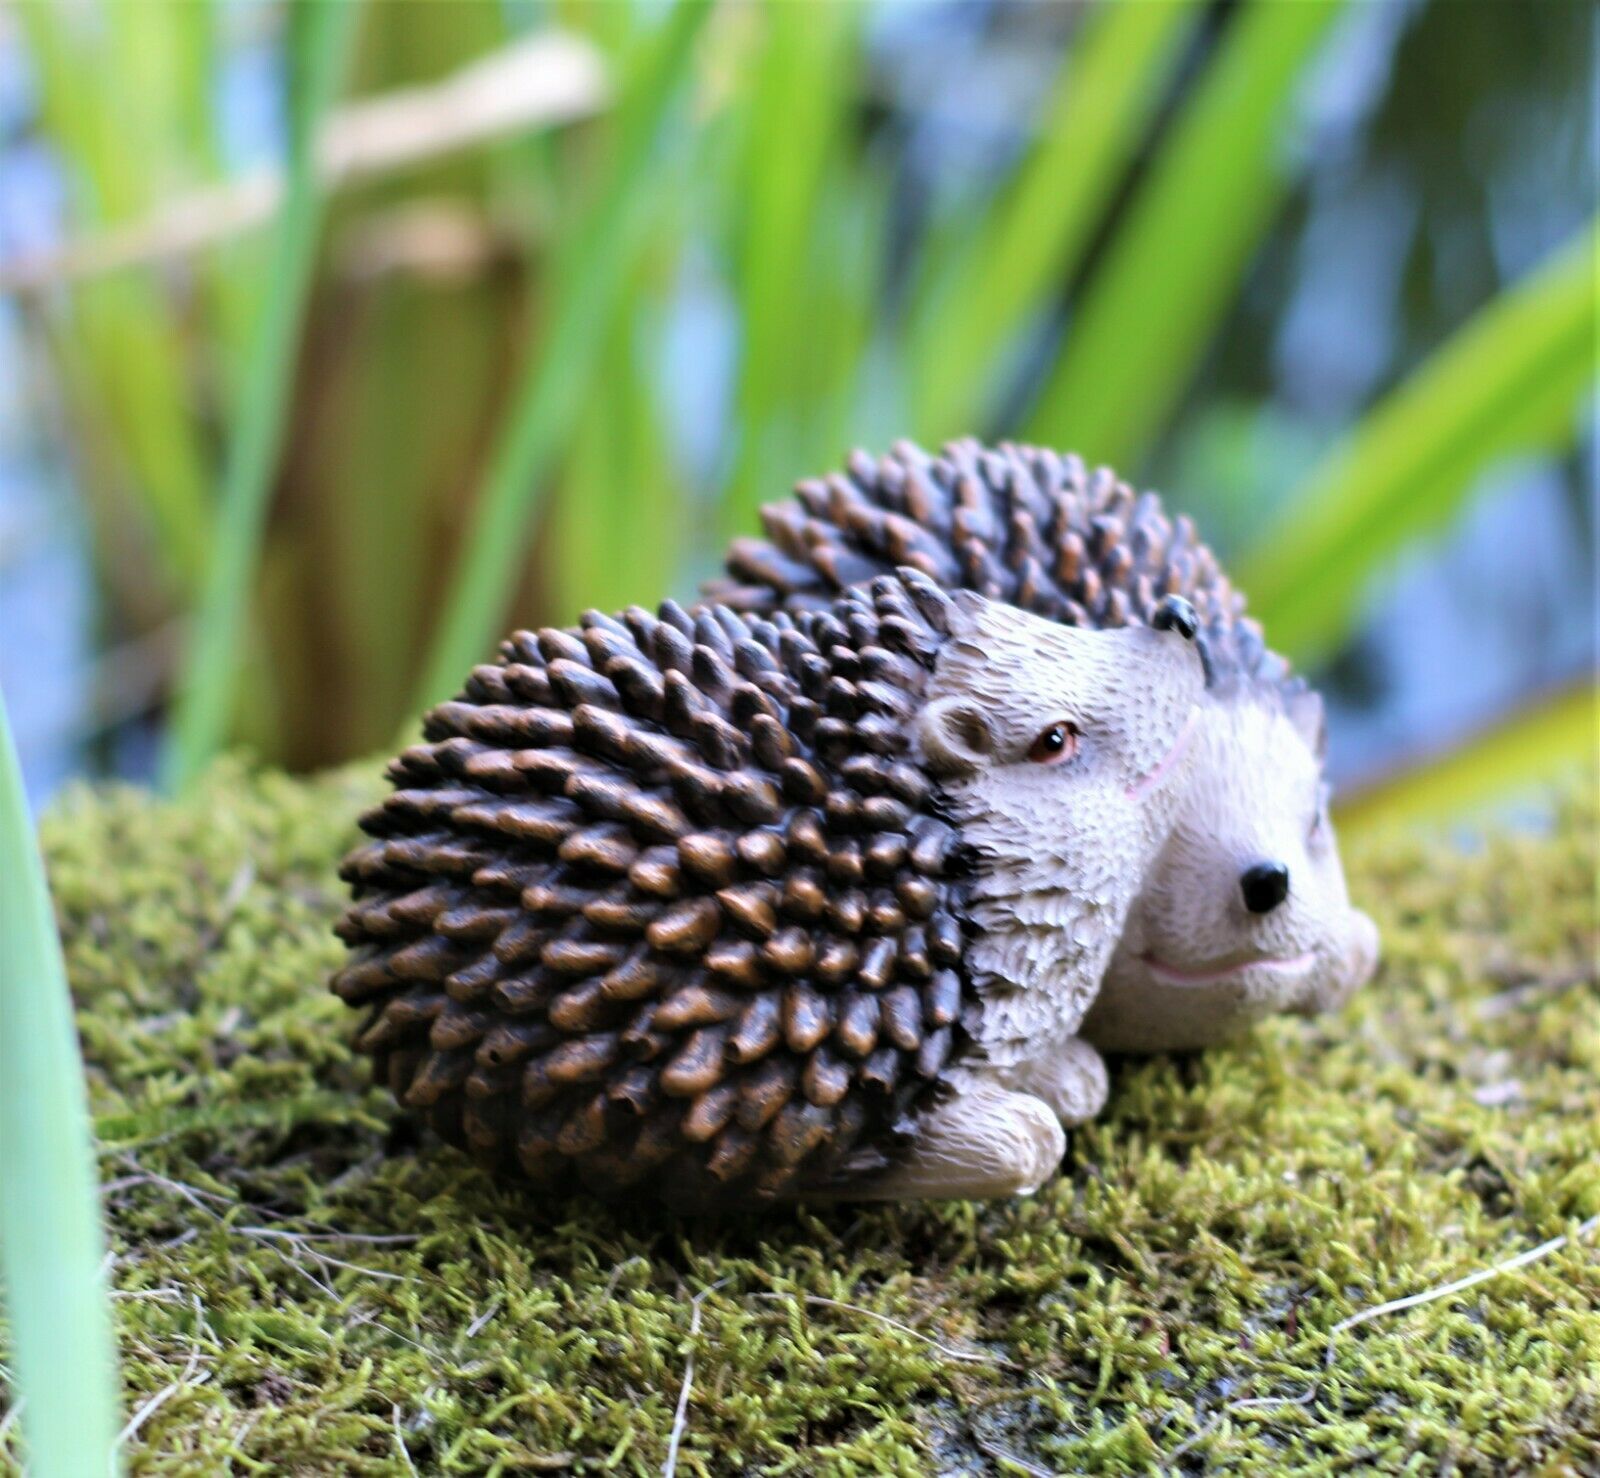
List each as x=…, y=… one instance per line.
x=1245, y=913
x=725, y=908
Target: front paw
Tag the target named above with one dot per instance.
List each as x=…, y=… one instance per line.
x=1080, y=1084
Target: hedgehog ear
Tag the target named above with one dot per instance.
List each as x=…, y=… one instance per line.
x=1304, y=708
x=956, y=737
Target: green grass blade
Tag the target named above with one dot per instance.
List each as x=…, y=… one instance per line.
x=320, y=42
x=590, y=279
x=1176, y=265
x=621, y=513
x=51, y=1245
x=617, y=535
x=849, y=398
x=132, y=385
x=1533, y=751
x=1512, y=378
x=795, y=109
x=1032, y=241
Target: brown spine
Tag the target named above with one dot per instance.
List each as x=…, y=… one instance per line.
x=665, y=900
x=1019, y=524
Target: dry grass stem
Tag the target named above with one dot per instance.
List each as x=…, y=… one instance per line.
x=542, y=81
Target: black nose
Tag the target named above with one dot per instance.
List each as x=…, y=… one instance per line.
x=1176, y=614
x=1264, y=886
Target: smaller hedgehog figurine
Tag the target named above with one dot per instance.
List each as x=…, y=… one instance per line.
x=1245, y=912
x=729, y=908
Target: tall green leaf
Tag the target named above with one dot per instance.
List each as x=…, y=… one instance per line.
x=1510, y=379
x=1029, y=244
x=127, y=341
x=1133, y=346
x=320, y=37
x=621, y=516
x=845, y=396
x=796, y=108
x=399, y=380
x=51, y=1245
x=618, y=532
x=589, y=278
x=1529, y=751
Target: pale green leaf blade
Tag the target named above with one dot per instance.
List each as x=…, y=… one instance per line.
x=1510, y=379
x=1133, y=347
x=790, y=168
x=1033, y=240
x=590, y=280
x=617, y=531
x=1533, y=752
x=51, y=1244
x=320, y=41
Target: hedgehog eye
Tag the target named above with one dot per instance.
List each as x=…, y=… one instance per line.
x=1057, y=743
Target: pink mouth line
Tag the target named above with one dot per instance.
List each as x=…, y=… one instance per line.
x=1148, y=782
x=1176, y=975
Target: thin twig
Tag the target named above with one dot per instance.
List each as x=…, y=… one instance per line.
x=145, y=1176
x=1510, y=1265
x=294, y=1239
x=968, y=1357
x=363, y=1318
x=372, y=1239
x=1377, y=1311
x=154, y=1404
x=477, y=1326
x=680, y=1418
x=1515, y=997
x=245, y=1428
x=1191, y=1440
x=400, y=1439
x=1001, y=1455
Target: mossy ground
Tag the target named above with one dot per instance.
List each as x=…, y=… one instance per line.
x=303, y=1287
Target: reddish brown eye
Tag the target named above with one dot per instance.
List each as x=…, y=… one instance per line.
x=1058, y=742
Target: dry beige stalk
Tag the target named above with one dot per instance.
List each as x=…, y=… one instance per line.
x=541, y=81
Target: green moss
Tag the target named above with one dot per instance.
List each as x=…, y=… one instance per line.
x=1207, y=1235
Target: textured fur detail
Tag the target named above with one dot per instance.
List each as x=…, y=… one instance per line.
x=1061, y=848
x=1194, y=965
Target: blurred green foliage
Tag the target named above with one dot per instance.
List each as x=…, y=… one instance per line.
x=491, y=399
x=1506, y=381
x=319, y=42
x=52, y=1248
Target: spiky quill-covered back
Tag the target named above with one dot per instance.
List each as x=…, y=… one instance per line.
x=663, y=900
x=1020, y=524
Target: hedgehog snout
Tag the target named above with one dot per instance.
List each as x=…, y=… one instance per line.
x=1264, y=886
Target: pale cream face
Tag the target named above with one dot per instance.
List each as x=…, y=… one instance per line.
x=1197, y=962
x=1064, y=753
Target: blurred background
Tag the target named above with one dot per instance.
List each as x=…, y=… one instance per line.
x=336, y=339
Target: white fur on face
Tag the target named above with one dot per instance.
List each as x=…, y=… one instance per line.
x=1063, y=846
x=1195, y=965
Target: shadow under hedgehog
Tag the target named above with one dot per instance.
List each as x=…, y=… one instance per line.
x=1245, y=912
x=725, y=907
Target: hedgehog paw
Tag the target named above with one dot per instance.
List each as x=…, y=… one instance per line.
x=984, y=1142
x=1072, y=1080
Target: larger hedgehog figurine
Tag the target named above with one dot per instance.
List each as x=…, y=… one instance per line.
x=729, y=907
x=1245, y=912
